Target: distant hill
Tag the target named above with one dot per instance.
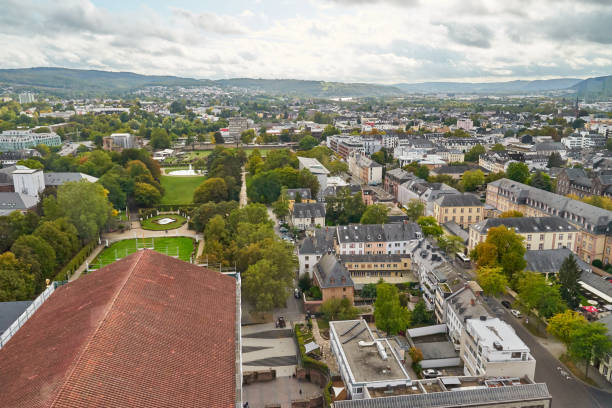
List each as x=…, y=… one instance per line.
x=490, y=87
x=310, y=88
x=75, y=82
x=86, y=82
x=594, y=88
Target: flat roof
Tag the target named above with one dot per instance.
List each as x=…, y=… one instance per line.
x=365, y=363
x=495, y=330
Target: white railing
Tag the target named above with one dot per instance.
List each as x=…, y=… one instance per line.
x=10, y=332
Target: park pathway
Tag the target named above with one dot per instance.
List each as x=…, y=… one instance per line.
x=243, y=190
x=90, y=258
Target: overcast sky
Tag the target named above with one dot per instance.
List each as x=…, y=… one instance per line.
x=379, y=41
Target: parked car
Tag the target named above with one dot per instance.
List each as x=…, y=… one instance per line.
x=431, y=373
x=506, y=304
x=516, y=313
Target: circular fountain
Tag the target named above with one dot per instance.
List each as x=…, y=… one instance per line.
x=189, y=172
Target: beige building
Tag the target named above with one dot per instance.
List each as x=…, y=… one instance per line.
x=592, y=222
x=464, y=209
x=391, y=268
x=538, y=232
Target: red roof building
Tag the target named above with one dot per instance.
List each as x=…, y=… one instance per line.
x=146, y=331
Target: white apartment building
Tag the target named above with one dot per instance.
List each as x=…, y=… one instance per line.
x=11, y=140
x=491, y=347
x=389, y=141
x=465, y=124
x=29, y=181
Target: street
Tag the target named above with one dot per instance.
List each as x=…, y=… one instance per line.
x=566, y=393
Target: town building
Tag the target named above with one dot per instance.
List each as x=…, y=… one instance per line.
x=117, y=142
x=464, y=209
x=447, y=392
x=394, y=178
x=394, y=238
x=465, y=124
x=12, y=140
x=592, y=222
x=313, y=247
x=365, y=362
x=26, y=97
x=538, y=232
x=577, y=182
x=307, y=215
x=495, y=162
x=491, y=347
x=423, y=191
x=456, y=171
x=333, y=279
x=364, y=169
x=237, y=125
x=466, y=303
x=316, y=168
x=370, y=268
x=125, y=335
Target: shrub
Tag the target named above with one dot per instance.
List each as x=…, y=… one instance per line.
x=315, y=292
x=75, y=262
x=597, y=263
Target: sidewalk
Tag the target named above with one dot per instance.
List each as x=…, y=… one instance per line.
x=90, y=258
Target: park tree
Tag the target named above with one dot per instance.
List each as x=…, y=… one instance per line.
x=430, y=227
x=95, y=163
x=118, y=186
x=451, y=243
x=266, y=285
x=145, y=195
x=202, y=214
x=14, y=225
x=38, y=255
x=492, y=280
x=344, y=208
x=555, y=160
x=16, y=283
x=308, y=180
x=474, y=153
x=562, y=325
x=368, y=291
x=216, y=229
x=255, y=162
x=534, y=293
x=508, y=248
x=485, y=254
x=518, y=171
x=307, y=142
x=62, y=236
x=248, y=136
x=337, y=167
x=31, y=164
x=212, y=189
x=589, y=342
x=511, y=214
x=375, y=214
x=339, y=309
x=569, y=275
x=540, y=180
x=281, y=206
x=160, y=138
x=85, y=204
x=415, y=209
x=389, y=314
x=472, y=179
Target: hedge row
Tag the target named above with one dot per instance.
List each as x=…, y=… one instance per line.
x=309, y=362
x=75, y=262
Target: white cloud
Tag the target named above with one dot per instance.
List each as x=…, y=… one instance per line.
x=384, y=41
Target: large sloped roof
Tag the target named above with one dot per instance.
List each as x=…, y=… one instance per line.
x=146, y=331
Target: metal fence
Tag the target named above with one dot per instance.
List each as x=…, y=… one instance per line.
x=10, y=332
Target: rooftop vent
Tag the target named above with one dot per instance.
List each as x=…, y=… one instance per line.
x=498, y=345
x=483, y=318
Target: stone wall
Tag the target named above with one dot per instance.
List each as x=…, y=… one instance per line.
x=250, y=377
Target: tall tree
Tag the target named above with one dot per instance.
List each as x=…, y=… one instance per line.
x=472, y=179
x=339, y=309
x=420, y=315
x=569, y=275
x=390, y=315
x=590, y=342
x=145, y=195
x=415, y=209
x=451, y=244
x=555, y=160
x=492, y=280
x=212, y=189
x=517, y=171
x=266, y=285
x=16, y=283
x=562, y=325
x=474, y=153
x=541, y=181
x=536, y=294
x=430, y=227
x=375, y=214
x=38, y=255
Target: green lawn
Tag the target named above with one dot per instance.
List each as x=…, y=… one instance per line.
x=150, y=224
x=171, y=246
x=204, y=153
x=179, y=189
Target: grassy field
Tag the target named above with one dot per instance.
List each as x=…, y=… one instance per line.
x=178, y=189
x=175, y=246
x=204, y=153
x=150, y=224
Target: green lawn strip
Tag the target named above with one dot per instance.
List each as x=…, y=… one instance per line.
x=150, y=224
x=171, y=246
x=179, y=190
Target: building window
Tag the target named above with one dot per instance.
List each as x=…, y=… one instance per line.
x=541, y=237
x=541, y=246
x=516, y=354
x=306, y=266
x=528, y=237
x=560, y=236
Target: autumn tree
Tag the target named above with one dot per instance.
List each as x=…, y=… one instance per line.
x=430, y=227
x=212, y=189
x=415, y=209
x=492, y=280
x=389, y=314
x=472, y=179
x=563, y=324
x=511, y=214
x=451, y=243
x=16, y=283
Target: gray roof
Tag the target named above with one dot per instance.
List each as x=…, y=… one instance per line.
x=547, y=146
x=607, y=321
x=400, y=175
x=461, y=302
x=564, y=206
x=308, y=210
x=16, y=201
x=575, y=173
x=458, y=200
x=57, y=179
x=455, y=229
x=437, y=350
x=331, y=273
x=321, y=242
x=10, y=311
x=550, y=260
x=401, y=231
x=469, y=397
x=526, y=224
x=597, y=282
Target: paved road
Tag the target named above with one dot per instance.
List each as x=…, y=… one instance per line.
x=566, y=393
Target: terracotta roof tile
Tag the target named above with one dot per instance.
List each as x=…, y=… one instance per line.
x=148, y=330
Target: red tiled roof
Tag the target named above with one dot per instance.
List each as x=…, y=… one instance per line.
x=145, y=331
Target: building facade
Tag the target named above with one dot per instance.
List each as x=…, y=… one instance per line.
x=463, y=209
x=12, y=140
